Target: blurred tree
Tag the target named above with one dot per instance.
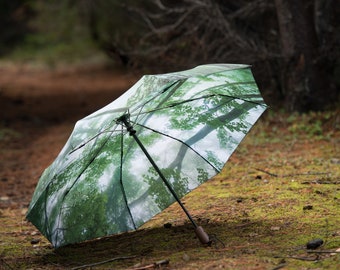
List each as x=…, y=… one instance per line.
x=286, y=41
x=112, y=26
x=293, y=45
x=304, y=73
x=185, y=33
x=13, y=23
x=59, y=33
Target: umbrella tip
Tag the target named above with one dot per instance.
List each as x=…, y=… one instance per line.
x=202, y=236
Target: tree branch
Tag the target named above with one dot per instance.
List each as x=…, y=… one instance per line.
x=103, y=262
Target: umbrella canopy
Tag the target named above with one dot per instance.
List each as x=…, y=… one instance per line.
x=103, y=183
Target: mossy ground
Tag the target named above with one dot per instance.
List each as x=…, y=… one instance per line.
x=280, y=189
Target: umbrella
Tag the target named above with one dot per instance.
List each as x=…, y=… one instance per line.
x=128, y=161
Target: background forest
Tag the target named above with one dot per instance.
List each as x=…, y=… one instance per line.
x=293, y=46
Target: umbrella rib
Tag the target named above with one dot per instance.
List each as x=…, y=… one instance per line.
x=94, y=137
x=198, y=98
x=183, y=142
x=140, y=108
x=71, y=186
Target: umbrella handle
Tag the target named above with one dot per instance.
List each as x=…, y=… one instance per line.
x=202, y=235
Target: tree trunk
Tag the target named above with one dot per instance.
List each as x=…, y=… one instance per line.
x=304, y=79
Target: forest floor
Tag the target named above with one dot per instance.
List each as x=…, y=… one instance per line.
x=279, y=190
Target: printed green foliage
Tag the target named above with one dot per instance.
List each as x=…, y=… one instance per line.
x=102, y=182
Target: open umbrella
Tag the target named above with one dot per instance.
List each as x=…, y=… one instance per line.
x=131, y=159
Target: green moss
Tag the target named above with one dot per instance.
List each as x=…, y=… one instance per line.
x=268, y=202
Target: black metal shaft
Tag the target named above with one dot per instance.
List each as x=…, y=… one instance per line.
x=132, y=133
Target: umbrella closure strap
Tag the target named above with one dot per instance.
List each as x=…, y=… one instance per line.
x=132, y=132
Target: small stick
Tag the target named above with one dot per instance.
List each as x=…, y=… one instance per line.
x=153, y=265
x=300, y=174
x=299, y=258
x=291, y=174
x=264, y=171
x=103, y=262
x=279, y=266
x=323, y=251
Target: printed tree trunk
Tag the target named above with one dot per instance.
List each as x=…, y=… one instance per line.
x=304, y=79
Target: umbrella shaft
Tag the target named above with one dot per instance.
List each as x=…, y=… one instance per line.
x=132, y=133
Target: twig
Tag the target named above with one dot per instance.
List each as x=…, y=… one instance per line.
x=323, y=251
x=291, y=174
x=321, y=182
x=299, y=258
x=245, y=224
x=299, y=174
x=264, y=171
x=280, y=266
x=153, y=265
x=103, y=262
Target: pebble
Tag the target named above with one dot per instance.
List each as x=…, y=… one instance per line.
x=335, y=160
x=308, y=207
x=186, y=257
x=35, y=241
x=167, y=225
x=315, y=243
